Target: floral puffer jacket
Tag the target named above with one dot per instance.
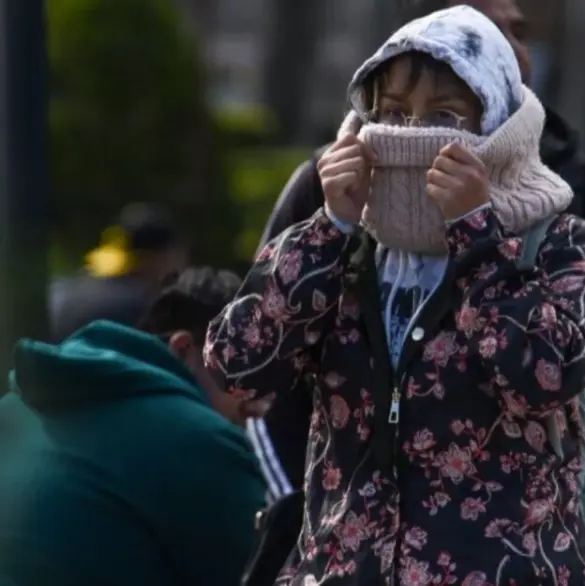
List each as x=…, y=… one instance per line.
x=460, y=485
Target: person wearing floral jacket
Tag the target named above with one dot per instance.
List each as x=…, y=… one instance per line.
x=440, y=364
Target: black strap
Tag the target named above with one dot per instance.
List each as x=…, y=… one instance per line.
x=278, y=534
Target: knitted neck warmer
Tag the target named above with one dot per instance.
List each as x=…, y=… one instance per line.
x=401, y=216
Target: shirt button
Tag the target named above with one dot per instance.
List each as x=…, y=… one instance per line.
x=417, y=334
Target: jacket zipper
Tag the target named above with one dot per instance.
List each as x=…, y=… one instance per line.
x=394, y=419
x=394, y=415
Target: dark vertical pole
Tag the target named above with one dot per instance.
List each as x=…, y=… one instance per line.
x=292, y=43
x=24, y=189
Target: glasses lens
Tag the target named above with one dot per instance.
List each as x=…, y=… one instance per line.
x=393, y=118
x=441, y=119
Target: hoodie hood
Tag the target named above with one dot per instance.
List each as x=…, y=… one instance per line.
x=474, y=48
x=101, y=362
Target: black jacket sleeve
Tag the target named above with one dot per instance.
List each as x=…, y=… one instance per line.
x=574, y=174
x=559, y=150
x=301, y=197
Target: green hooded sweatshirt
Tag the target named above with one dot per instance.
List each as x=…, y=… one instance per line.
x=116, y=471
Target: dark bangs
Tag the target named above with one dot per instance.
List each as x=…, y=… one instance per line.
x=419, y=62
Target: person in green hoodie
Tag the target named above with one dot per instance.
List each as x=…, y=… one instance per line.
x=115, y=468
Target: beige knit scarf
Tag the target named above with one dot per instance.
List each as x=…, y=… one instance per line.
x=401, y=216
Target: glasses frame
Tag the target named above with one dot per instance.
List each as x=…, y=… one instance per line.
x=415, y=121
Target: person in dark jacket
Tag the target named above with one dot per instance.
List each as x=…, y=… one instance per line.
x=122, y=275
x=280, y=439
x=114, y=467
x=445, y=440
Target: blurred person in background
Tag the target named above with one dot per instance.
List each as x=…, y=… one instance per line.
x=123, y=275
x=280, y=439
x=114, y=466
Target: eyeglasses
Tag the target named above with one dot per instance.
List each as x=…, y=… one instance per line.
x=437, y=119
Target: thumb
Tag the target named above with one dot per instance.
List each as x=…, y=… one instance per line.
x=350, y=125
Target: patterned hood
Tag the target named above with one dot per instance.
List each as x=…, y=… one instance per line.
x=474, y=48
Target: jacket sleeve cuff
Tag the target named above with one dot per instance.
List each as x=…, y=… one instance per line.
x=482, y=207
x=479, y=229
x=342, y=226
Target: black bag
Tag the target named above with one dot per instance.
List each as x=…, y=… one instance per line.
x=279, y=528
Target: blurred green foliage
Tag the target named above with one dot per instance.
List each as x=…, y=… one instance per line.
x=257, y=170
x=129, y=121
x=257, y=178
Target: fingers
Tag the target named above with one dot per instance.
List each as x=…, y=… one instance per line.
x=457, y=181
x=448, y=165
x=355, y=165
x=342, y=182
x=439, y=194
x=343, y=154
x=441, y=179
x=345, y=141
x=454, y=167
x=457, y=152
x=345, y=171
x=344, y=165
x=348, y=146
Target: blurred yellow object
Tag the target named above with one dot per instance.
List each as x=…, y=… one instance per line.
x=111, y=258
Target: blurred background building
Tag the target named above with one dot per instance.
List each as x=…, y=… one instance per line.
x=252, y=46
x=293, y=57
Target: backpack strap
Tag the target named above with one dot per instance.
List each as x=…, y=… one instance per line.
x=532, y=239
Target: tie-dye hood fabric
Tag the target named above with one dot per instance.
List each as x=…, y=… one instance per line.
x=474, y=48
